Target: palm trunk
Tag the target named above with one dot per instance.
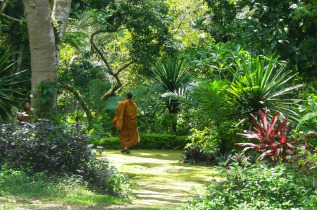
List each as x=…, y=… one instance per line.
x=173, y=109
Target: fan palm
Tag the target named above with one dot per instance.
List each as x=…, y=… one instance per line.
x=170, y=77
x=260, y=83
x=8, y=94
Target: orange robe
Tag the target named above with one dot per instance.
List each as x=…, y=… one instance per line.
x=125, y=121
x=26, y=115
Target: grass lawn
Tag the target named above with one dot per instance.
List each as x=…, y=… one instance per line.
x=17, y=190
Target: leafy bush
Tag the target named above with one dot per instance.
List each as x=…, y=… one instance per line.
x=214, y=110
x=308, y=122
x=148, y=141
x=45, y=147
x=259, y=83
x=195, y=155
x=273, y=139
x=202, y=148
x=259, y=187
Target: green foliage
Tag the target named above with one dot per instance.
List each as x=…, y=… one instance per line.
x=214, y=110
x=147, y=141
x=149, y=108
x=259, y=187
x=10, y=93
x=308, y=121
x=202, y=148
x=222, y=13
x=45, y=147
x=146, y=21
x=70, y=190
x=44, y=93
x=212, y=100
x=286, y=27
x=169, y=76
x=184, y=13
x=215, y=61
x=204, y=139
x=260, y=83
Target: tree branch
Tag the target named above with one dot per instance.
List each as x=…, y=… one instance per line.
x=80, y=100
x=124, y=67
x=4, y=5
x=96, y=49
x=118, y=84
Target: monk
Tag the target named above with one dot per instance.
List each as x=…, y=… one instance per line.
x=25, y=115
x=125, y=121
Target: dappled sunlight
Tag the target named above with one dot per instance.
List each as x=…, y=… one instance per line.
x=160, y=177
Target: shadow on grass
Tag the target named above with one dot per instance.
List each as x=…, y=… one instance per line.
x=154, y=154
x=22, y=188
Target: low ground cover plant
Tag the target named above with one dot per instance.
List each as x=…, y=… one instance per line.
x=68, y=189
x=43, y=147
x=259, y=186
x=202, y=149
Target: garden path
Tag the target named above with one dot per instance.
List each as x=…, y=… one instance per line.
x=162, y=181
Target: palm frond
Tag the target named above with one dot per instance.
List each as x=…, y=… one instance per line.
x=10, y=93
x=263, y=83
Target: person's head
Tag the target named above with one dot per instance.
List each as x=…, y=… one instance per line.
x=128, y=95
x=27, y=105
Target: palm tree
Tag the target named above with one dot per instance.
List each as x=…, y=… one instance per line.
x=170, y=75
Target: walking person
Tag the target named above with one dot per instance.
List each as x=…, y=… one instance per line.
x=126, y=121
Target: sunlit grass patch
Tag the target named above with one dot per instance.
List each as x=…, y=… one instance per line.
x=18, y=186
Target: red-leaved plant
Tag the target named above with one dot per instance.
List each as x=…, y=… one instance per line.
x=273, y=139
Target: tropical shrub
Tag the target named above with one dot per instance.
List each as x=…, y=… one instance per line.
x=214, y=110
x=148, y=141
x=43, y=147
x=274, y=140
x=170, y=75
x=259, y=83
x=215, y=61
x=308, y=122
x=202, y=147
x=259, y=187
x=10, y=93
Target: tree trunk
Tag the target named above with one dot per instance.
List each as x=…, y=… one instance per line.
x=61, y=10
x=173, y=108
x=44, y=43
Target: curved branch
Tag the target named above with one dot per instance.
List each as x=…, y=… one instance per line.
x=98, y=51
x=81, y=101
x=118, y=84
x=4, y=5
x=124, y=67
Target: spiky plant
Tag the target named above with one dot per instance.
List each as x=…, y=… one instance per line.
x=9, y=92
x=262, y=82
x=170, y=75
